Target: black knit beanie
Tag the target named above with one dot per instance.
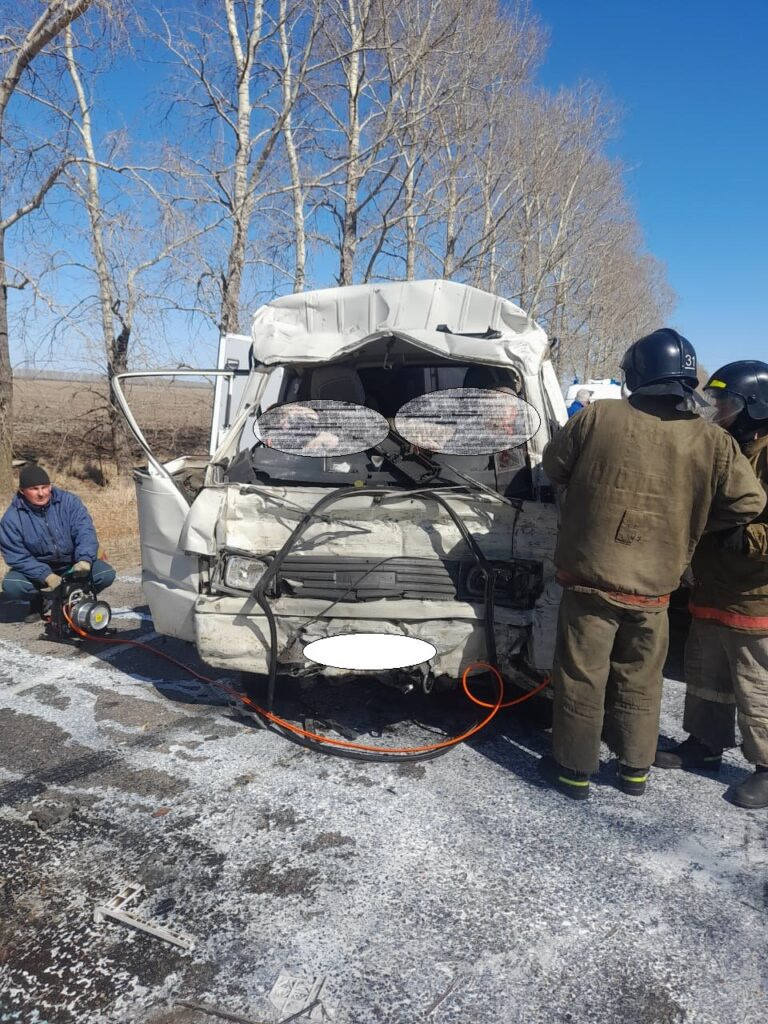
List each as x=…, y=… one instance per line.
x=33, y=476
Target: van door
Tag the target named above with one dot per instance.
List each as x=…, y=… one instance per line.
x=169, y=575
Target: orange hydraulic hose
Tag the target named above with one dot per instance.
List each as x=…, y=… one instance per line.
x=507, y=704
x=317, y=737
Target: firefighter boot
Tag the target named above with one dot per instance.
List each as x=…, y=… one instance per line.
x=633, y=780
x=572, y=784
x=753, y=791
x=691, y=755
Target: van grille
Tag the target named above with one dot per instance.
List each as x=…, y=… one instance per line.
x=370, y=579
x=518, y=584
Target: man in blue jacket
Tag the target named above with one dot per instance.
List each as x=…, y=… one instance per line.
x=44, y=533
x=581, y=401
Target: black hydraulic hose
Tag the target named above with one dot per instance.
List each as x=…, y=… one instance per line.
x=259, y=591
x=259, y=594
x=369, y=756
x=485, y=567
x=272, y=677
x=358, y=755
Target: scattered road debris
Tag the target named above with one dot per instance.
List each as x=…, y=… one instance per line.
x=298, y=997
x=438, y=1002
x=215, y=1011
x=682, y=871
x=301, y=1013
x=114, y=909
x=51, y=812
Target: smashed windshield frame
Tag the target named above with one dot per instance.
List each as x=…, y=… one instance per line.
x=385, y=388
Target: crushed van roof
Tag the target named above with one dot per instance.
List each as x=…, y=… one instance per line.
x=320, y=326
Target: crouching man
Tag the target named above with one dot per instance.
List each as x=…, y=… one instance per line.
x=44, y=533
x=726, y=657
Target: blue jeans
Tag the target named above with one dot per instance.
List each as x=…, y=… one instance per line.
x=16, y=585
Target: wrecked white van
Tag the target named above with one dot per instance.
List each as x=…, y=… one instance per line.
x=365, y=492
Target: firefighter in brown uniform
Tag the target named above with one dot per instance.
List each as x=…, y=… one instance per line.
x=726, y=656
x=644, y=479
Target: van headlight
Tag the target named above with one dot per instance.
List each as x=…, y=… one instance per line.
x=243, y=573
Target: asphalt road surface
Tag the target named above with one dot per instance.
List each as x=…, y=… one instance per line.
x=455, y=890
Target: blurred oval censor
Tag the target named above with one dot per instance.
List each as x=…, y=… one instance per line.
x=366, y=651
x=467, y=421
x=321, y=428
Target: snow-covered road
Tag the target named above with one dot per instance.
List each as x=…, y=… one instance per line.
x=460, y=877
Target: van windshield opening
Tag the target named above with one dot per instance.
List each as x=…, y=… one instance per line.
x=381, y=390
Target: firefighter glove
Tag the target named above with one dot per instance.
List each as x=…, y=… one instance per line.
x=81, y=568
x=52, y=582
x=734, y=539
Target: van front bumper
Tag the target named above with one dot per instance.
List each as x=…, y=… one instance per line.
x=233, y=633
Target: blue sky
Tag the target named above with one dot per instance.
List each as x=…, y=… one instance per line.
x=692, y=79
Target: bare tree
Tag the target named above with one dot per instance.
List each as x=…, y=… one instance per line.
x=567, y=248
x=245, y=81
x=21, y=46
x=145, y=228
x=460, y=160
x=288, y=73
x=380, y=138
x=115, y=342
x=374, y=54
x=349, y=50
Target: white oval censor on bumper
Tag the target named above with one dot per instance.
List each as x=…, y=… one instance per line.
x=361, y=651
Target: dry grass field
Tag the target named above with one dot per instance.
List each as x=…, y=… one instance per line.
x=63, y=425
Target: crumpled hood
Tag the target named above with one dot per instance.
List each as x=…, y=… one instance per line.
x=259, y=520
x=316, y=327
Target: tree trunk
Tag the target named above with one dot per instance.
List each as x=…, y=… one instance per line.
x=410, y=220
x=348, y=241
x=348, y=237
x=449, y=258
x=297, y=193
x=233, y=280
x=118, y=363
x=242, y=204
x=49, y=24
x=7, y=481
x=116, y=348
x=300, y=235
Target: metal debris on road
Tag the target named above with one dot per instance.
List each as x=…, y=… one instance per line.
x=295, y=1016
x=215, y=1011
x=438, y=1002
x=114, y=909
x=298, y=997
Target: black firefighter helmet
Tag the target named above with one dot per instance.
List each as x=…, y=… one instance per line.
x=663, y=357
x=739, y=394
